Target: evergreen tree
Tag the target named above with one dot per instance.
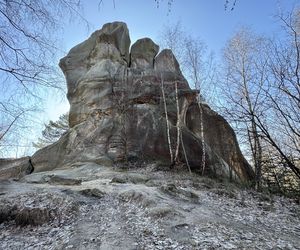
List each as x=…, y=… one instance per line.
x=53, y=131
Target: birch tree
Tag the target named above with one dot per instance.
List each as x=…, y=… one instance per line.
x=167, y=120
x=245, y=70
x=283, y=92
x=196, y=65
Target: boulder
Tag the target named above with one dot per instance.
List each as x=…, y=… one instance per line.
x=117, y=111
x=15, y=168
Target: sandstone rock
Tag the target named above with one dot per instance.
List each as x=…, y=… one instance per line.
x=15, y=168
x=117, y=110
x=130, y=178
x=111, y=42
x=166, y=63
x=142, y=54
x=92, y=192
x=61, y=180
x=221, y=138
x=162, y=211
x=171, y=189
x=137, y=196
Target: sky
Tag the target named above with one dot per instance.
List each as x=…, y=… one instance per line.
x=203, y=19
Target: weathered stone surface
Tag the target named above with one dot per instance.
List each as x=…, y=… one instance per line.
x=117, y=110
x=61, y=180
x=15, y=168
x=94, y=192
x=167, y=64
x=111, y=42
x=221, y=138
x=142, y=54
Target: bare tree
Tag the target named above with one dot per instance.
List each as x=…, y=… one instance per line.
x=28, y=39
x=178, y=122
x=245, y=76
x=230, y=5
x=29, y=48
x=195, y=70
x=262, y=89
x=180, y=113
x=284, y=91
x=196, y=65
x=281, y=128
x=172, y=37
x=167, y=120
x=12, y=123
x=169, y=3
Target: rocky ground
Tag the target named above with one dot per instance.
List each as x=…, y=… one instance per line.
x=94, y=207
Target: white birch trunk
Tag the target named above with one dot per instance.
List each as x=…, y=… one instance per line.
x=178, y=123
x=167, y=120
x=203, y=160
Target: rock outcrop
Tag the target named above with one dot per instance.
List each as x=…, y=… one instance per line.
x=117, y=110
x=15, y=168
x=100, y=207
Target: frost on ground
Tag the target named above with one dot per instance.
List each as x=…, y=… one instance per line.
x=141, y=209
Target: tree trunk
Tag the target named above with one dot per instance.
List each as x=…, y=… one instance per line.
x=167, y=121
x=178, y=123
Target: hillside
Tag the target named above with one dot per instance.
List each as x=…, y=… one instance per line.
x=94, y=207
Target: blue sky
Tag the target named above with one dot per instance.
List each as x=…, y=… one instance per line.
x=205, y=19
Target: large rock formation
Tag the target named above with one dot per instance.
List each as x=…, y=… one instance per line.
x=117, y=111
